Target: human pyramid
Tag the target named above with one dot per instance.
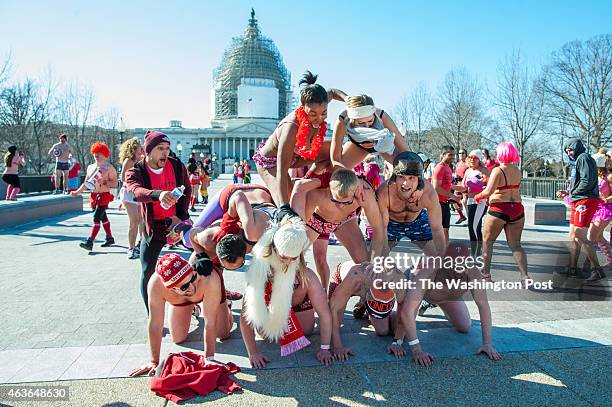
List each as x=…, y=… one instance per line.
x=277, y=222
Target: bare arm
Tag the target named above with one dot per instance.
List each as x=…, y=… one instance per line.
x=492, y=184
x=318, y=298
x=300, y=195
x=257, y=359
x=337, y=303
x=434, y=213
x=336, y=94
x=212, y=305
x=374, y=217
x=383, y=207
x=336, y=144
x=399, y=141
x=112, y=177
x=127, y=164
x=486, y=322
x=51, y=149
x=155, y=323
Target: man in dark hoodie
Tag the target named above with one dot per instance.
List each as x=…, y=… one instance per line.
x=151, y=181
x=584, y=197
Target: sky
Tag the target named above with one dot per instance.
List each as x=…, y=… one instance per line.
x=153, y=60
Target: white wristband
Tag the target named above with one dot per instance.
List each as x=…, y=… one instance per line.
x=413, y=342
x=209, y=358
x=397, y=342
x=325, y=347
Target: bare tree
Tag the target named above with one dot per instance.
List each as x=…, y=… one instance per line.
x=5, y=69
x=457, y=113
x=16, y=112
x=75, y=107
x=419, y=113
x=578, y=83
x=520, y=103
x=42, y=109
x=108, y=122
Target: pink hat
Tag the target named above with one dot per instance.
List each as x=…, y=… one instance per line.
x=153, y=138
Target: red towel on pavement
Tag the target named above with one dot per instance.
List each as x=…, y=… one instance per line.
x=185, y=375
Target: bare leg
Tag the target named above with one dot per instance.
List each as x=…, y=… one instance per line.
x=350, y=236
x=580, y=237
x=56, y=179
x=180, y=320
x=514, y=232
x=457, y=314
x=319, y=252
x=352, y=155
x=382, y=327
x=307, y=321
x=133, y=212
x=491, y=230
x=65, y=179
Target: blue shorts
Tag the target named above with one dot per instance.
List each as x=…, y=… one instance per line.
x=418, y=230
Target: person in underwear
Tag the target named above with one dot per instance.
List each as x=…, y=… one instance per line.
x=282, y=295
x=474, y=180
x=297, y=141
x=12, y=161
x=332, y=208
x=442, y=181
x=204, y=174
x=603, y=215
x=219, y=204
x=350, y=279
x=62, y=152
x=247, y=171
x=130, y=152
x=103, y=177
x=449, y=299
x=369, y=130
x=183, y=288
x=409, y=207
x=506, y=211
x=195, y=180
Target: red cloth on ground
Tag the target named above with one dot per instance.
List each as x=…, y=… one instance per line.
x=186, y=375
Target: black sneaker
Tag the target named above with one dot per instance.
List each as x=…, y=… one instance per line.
x=359, y=311
x=87, y=245
x=192, y=209
x=109, y=242
x=425, y=306
x=596, y=275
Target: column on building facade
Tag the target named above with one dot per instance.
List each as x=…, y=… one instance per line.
x=241, y=155
x=226, y=147
x=233, y=147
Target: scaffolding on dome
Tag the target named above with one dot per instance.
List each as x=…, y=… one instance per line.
x=250, y=56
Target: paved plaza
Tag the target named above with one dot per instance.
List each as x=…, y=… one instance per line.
x=70, y=315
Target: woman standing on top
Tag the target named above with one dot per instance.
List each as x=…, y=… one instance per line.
x=369, y=129
x=474, y=180
x=297, y=140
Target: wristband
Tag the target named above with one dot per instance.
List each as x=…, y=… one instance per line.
x=325, y=347
x=155, y=361
x=210, y=358
x=413, y=342
x=397, y=342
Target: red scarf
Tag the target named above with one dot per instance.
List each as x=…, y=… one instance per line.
x=293, y=339
x=302, y=136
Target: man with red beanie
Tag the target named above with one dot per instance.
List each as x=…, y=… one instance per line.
x=100, y=177
x=184, y=287
x=152, y=181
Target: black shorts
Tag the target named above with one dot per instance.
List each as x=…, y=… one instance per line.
x=11, y=179
x=62, y=165
x=446, y=214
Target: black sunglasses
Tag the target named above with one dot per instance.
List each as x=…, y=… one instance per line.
x=340, y=202
x=185, y=286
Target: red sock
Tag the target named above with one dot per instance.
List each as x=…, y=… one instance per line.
x=107, y=229
x=9, y=192
x=193, y=201
x=15, y=192
x=94, y=230
x=460, y=212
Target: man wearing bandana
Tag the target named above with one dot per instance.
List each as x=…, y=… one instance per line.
x=410, y=208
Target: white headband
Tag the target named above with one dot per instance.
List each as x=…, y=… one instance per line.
x=361, y=111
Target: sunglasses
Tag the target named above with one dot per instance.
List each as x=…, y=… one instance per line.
x=185, y=286
x=342, y=203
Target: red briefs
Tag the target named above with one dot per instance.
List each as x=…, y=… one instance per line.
x=583, y=211
x=507, y=211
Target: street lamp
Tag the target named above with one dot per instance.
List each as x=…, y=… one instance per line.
x=121, y=130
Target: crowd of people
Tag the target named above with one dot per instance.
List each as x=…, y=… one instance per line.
x=313, y=188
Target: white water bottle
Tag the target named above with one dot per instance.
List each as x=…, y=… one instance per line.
x=177, y=192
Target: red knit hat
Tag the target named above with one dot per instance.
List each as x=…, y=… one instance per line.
x=153, y=138
x=172, y=268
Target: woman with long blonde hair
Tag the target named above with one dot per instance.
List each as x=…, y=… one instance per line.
x=130, y=152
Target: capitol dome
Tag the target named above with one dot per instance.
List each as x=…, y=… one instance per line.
x=251, y=81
